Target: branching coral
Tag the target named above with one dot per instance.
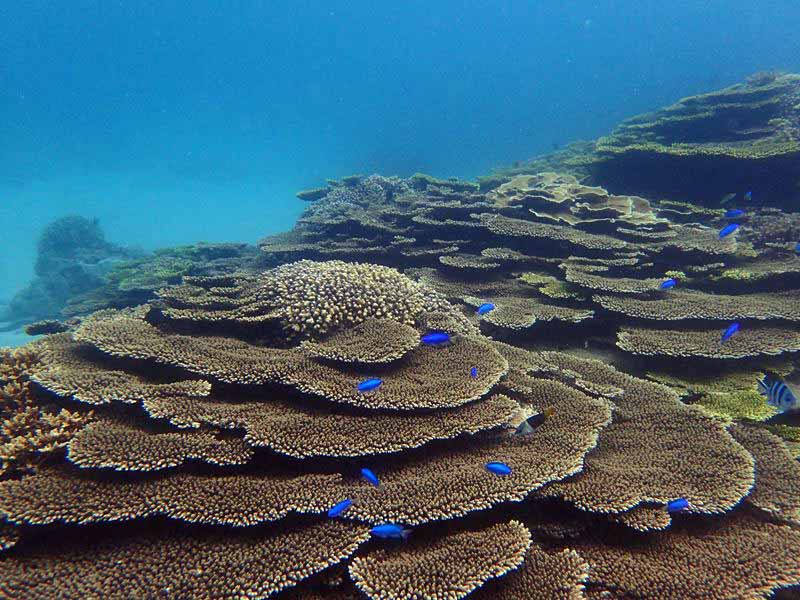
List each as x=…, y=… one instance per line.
x=30, y=429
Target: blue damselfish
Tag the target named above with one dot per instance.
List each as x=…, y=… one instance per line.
x=370, y=476
x=668, y=283
x=485, y=308
x=436, y=338
x=370, y=384
x=498, y=468
x=677, y=505
x=728, y=333
x=340, y=507
x=728, y=229
x=390, y=531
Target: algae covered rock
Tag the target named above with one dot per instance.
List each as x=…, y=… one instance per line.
x=73, y=257
x=742, y=138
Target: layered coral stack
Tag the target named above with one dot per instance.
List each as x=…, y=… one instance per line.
x=228, y=420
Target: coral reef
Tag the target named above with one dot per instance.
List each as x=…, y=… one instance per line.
x=225, y=427
x=742, y=138
x=537, y=450
x=31, y=429
x=132, y=282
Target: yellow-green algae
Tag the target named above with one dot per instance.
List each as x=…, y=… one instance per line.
x=729, y=396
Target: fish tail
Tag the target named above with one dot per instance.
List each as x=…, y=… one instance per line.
x=763, y=385
x=405, y=534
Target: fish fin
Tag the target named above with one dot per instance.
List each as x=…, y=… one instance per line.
x=763, y=386
x=405, y=534
x=523, y=428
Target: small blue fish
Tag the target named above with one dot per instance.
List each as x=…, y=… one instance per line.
x=473, y=372
x=485, y=308
x=370, y=384
x=498, y=468
x=780, y=394
x=728, y=334
x=677, y=505
x=668, y=283
x=390, y=531
x=733, y=213
x=728, y=229
x=797, y=247
x=436, y=338
x=748, y=196
x=370, y=476
x=339, y=508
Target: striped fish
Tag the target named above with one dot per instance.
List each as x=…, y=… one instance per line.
x=779, y=394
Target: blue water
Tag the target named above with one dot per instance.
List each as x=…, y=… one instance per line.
x=175, y=122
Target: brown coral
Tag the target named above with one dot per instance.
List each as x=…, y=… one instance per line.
x=777, y=488
x=172, y=561
x=449, y=568
x=121, y=445
x=690, y=304
x=416, y=382
x=303, y=433
x=733, y=557
x=372, y=341
x=30, y=428
x=633, y=465
x=543, y=575
x=54, y=495
x=748, y=341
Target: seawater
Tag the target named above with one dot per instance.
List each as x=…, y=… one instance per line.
x=179, y=122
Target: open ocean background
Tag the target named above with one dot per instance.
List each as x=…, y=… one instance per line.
x=175, y=122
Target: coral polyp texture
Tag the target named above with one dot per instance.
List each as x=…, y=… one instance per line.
x=525, y=387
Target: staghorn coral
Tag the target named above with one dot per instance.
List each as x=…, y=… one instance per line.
x=320, y=296
x=308, y=299
x=448, y=569
x=30, y=429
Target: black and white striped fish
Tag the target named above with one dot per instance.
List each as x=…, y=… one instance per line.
x=783, y=396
